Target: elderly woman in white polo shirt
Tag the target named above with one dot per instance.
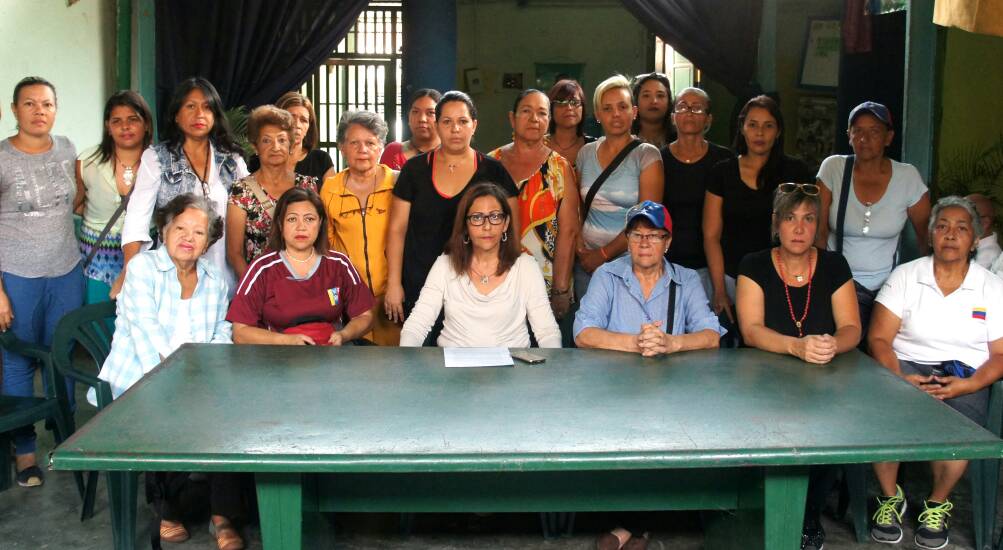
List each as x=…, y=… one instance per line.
x=937, y=325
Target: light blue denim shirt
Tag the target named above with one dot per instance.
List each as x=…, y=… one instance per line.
x=614, y=301
x=147, y=313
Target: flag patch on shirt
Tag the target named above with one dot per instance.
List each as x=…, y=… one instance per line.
x=334, y=294
x=979, y=313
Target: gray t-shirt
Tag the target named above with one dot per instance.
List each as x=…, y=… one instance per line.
x=36, y=210
x=871, y=253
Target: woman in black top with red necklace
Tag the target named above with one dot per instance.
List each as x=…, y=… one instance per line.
x=737, y=206
x=428, y=190
x=796, y=299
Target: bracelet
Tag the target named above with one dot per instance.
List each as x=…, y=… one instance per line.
x=602, y=250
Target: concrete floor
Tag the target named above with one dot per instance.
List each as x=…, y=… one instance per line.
x=48, y=518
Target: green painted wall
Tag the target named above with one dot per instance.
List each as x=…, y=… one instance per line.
x=498, y=36
x=971, y=93
x=71, y=46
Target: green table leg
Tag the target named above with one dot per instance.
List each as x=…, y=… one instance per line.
x=784, y=493
x=122, y=489
x=280, y=508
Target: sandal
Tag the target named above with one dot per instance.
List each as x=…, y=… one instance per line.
x=173, y=531
x=226, y=535
x=610, y=541
x=30, y=477
x=637, y=543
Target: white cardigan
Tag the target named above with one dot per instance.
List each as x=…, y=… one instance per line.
x=472, y=319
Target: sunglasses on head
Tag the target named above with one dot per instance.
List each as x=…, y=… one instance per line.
x=810, y=189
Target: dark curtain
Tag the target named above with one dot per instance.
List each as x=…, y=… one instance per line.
x=253, y=51
x=718, y=36
x=877, y=75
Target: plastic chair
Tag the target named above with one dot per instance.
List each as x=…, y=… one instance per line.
x=16, y=412
x=91, y=327
x=982, y=474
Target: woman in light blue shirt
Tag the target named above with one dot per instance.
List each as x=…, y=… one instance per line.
x=628, y=304
x=637, y=178
x=882, y=196
x=172, y=296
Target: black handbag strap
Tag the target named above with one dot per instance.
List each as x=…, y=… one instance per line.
x=107, y=228
x=670, y=319
x=610, y=168
x=844, y=196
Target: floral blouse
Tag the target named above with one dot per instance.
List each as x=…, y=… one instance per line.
x=259, y=219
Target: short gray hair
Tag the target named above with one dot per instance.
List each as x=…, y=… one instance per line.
x=960, y=202
x=694, y=91
x=367, y=119
x=166, y=214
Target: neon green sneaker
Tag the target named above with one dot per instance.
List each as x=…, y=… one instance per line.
x=931, y=533
x=887, y=526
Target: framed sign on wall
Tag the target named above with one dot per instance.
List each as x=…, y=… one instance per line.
x=820, y=63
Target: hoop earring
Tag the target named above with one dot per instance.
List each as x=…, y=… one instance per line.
x=466, y=238
x=505, y=236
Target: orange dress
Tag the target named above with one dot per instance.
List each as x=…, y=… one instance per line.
x=540, y=198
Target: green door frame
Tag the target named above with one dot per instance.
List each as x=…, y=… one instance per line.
x=144, y=80
x=920, y=98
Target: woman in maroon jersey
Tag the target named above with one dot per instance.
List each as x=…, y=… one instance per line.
x=299, y=292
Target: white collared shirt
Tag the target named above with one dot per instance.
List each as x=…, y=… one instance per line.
x=988, y=250
x=938, y=328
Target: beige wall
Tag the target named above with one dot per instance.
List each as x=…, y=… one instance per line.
x=71, y=46
x=500, y=37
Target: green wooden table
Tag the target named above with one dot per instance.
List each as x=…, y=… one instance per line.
x=391, y=429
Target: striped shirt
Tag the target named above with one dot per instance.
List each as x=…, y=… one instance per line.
x=147, y=314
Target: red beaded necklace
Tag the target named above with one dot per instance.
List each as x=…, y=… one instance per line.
x=790, y=306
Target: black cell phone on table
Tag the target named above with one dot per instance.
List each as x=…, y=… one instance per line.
x=527, y=357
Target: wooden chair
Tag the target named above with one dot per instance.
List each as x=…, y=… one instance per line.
x=982, y=474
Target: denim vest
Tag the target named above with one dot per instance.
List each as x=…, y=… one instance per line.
x=178, y=178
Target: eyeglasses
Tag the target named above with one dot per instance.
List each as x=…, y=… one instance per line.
x=570, y=103
x=868, y=133
x=683, y=108
x=810, y=189
x=654, y=238
x=867, y=218
x=495, y=218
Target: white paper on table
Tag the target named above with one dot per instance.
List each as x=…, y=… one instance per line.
x=476, y=357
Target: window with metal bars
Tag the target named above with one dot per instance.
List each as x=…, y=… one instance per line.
x=363, y=72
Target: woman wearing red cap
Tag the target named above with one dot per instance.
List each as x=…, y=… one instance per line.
x=298, y=293
x=881, y=195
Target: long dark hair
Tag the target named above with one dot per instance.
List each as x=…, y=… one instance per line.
x=770, y=172
x=458, y=246
x=635, y=91
x=134, y=101
x=564, y=89
x=276, y=241
x=221, y=135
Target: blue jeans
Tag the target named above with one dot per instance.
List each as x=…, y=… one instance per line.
x=38, y=304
